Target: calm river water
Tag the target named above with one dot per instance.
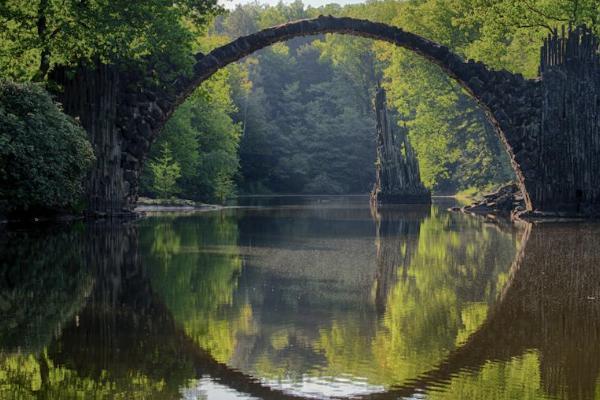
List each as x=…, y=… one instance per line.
x=301, y=298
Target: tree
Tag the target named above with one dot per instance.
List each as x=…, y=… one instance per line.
x=203, y=140
x=38, y=35
x=308, y=124
x=166, y=171
x=455, y=145
x=44, y=154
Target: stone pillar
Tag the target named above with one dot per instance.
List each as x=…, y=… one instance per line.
x=568, y=171
x=122, y=118
x=398, y=180
x=91, y=95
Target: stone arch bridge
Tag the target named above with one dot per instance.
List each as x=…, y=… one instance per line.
x=549, y=126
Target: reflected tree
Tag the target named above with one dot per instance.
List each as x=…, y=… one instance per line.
x=540, y=338
x=194, y=269
x=116, y=324
x=43, y=283
x=436, y=276
x=89, y=327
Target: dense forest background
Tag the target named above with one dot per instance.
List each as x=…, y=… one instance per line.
x=296, y=117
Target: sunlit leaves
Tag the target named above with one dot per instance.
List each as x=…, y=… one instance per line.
x=76, y=32
x=165, y=171
x=204, y=141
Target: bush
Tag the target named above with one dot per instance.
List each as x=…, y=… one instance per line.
x=44, y=154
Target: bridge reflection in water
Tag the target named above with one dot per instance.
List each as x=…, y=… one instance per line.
x=282, y=303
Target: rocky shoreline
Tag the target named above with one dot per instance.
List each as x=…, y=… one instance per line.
x=145, y=205
x=508, y=203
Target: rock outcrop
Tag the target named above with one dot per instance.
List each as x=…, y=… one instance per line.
x=398, y=180
x=504, y=202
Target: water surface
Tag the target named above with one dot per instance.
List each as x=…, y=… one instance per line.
x=301, y=298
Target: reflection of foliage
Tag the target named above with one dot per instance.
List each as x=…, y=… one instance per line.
x=522, y=375
x=346, y=348
x=433, y=307
x=120, y=345
x=42, y=285
x=27, y=377
x=472, y=316
x=166, y=242
x=442, y=296
x=193, y=266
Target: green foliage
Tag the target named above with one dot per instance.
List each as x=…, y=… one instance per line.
x=38, y=35
x=165, y=172
x=507, y=33
x=204, y=141
x=307, y=122
x=456, y=146
x=304, y=107
x=44, y=154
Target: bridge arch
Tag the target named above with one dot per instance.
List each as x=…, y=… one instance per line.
x=508, y=100
x=501, y=94
x=554, y=150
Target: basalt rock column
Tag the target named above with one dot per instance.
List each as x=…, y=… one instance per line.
x=567, y=142
x=91, y=96
x=398, y=180
x=122, y=115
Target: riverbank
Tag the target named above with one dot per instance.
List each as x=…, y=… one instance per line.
x=503, y=204
x=145, y=204
x=505, y=201
x=508, y=203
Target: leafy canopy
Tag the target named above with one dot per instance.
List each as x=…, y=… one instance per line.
x=37, y=35
x=204, y=141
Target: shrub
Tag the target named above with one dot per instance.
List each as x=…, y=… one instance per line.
x=44, y=154
x=166, y=171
